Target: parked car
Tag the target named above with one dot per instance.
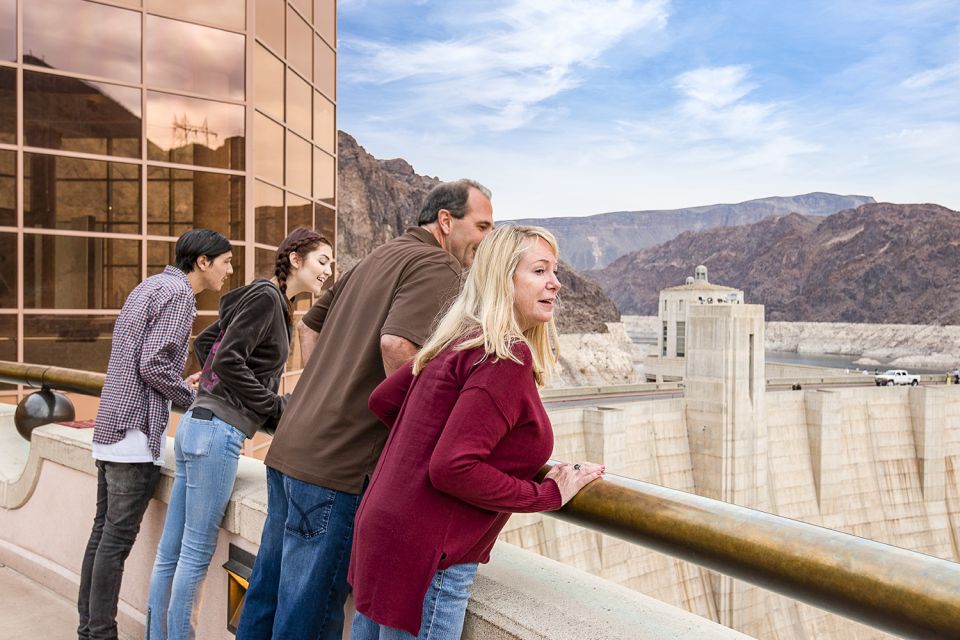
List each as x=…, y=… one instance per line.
x=896, y=376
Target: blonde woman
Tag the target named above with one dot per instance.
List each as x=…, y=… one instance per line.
x=468, y=433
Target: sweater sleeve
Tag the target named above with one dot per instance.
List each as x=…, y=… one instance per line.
x=458, y=465
x=243, y=333
x=388, y=397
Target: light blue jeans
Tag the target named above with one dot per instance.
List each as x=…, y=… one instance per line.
x=207, y=452
x=444, y=608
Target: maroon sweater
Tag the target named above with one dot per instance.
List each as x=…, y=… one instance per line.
x=466, y=441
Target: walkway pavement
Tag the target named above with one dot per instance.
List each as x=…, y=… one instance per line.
x=30, y=610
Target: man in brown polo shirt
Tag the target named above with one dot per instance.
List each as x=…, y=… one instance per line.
x=327, y=443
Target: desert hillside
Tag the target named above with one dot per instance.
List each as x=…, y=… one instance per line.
x=878, y=263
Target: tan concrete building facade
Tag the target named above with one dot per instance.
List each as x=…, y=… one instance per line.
x=673, y=311
x=124, y=123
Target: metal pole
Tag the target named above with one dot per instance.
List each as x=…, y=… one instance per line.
x=902, y=592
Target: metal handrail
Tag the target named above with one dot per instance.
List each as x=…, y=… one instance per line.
x=39, y=376
x=903, y=592
x=896, y=590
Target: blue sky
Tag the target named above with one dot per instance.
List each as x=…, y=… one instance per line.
x=567, y=108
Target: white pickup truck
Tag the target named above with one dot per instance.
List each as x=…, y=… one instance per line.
x=896, y=376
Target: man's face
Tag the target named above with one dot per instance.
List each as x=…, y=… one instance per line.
x=217, y=271
x=467, y=232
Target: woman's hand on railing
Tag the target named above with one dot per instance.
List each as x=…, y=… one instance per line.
x=570, y=478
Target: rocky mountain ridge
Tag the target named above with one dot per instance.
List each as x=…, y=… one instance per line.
x=593, y=242
x=877, y=263
x=378, y=199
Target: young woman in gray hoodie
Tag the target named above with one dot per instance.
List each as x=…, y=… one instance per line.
x=243, y=355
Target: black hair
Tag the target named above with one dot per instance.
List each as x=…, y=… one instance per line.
x=451, y=196
x=199, y=242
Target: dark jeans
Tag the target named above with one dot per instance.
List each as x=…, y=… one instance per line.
x=123, y=493
x=299, y=582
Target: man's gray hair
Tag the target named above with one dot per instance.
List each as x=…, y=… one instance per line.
x=451, y=196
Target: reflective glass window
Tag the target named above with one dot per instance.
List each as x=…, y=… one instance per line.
x=271, y=16
x=8, y=105
x=179, y=200
x=299, y=212
x=195, y=131
x=78, y=115
x=8, y=338
x=299, y=43
x=8, y=271
x=8, y=30
x=8, y=188
x=268, y=82
x=265, y=263
x=324, y=176
x=325, y=69
x=298, y=163
x=77, y=272
x=299, y=106
x=325, y=221
x=268, y=152
x=305, y=7
x=194, y=58
x=324, y=123
x=160, y=253
x=268, y=214
x=76, y=342
x=224, y=13
x=80, y=195
x=325, y=19
x=84, y=37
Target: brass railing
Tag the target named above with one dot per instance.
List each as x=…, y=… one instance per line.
x=903, y=592
x=899, y=591
x=42, y=376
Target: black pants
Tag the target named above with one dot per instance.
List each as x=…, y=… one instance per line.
x=123, y=493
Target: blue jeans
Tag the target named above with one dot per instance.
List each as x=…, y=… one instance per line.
x=207, y=452
x=444, y=608
x=299, y=582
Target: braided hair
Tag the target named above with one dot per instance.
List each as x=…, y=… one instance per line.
x=300, y=241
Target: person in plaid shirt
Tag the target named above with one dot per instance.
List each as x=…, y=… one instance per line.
x=149, y=351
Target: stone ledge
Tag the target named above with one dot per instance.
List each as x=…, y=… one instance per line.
x=519, y=595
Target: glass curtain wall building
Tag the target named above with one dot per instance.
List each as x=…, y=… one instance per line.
x=124, y=123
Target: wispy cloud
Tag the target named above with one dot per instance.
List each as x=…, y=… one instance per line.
x=498, y=66
x=714, y=118
x=948, y=74
x=715, y=86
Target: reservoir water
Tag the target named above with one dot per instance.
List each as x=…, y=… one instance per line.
x=830, y=360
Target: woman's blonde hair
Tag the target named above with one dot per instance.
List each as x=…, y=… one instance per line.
x=484, y=312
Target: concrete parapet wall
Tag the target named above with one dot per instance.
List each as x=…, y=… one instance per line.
x=47, y=502
x=879, y=462
x=521, y=596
